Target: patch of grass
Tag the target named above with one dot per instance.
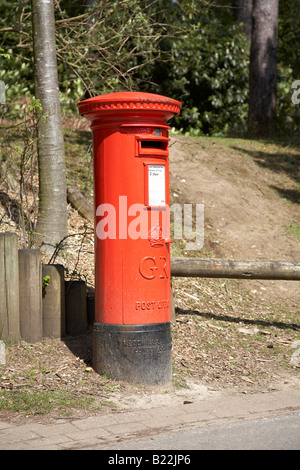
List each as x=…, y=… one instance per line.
x=112, y=388
x=180, y=383
x=109, y=404
x=295, y=229
x=41, y=403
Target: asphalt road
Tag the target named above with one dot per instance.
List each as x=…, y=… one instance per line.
x=271, y=433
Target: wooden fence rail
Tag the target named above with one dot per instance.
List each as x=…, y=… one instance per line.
x=235, y=269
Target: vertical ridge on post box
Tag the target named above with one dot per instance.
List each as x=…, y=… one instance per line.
x=54, y=310
x=131, y=335
x=30, y=282
x=9, y=287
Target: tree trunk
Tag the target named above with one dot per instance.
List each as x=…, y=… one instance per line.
x=263, y=64
x=52, y=216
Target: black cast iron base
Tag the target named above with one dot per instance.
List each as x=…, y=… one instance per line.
x=133, y=353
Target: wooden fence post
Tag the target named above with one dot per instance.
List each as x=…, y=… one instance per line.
x=30, y=285
x=76, y=308
x=9, y=287
x=54, y=312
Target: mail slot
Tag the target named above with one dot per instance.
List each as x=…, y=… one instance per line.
x=132, y=336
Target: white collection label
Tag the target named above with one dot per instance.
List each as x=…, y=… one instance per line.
x=156, y=185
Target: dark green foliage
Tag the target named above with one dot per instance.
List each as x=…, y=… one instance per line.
x=288, y=67
x=191, y=50
x=209, y=74
x=289, y=35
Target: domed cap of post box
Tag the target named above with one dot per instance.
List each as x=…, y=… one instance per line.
x=129, y=102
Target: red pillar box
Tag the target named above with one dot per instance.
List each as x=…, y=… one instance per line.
x=132, y=337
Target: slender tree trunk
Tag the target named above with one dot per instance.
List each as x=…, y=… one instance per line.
x=263, y=64
x=52, y=216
